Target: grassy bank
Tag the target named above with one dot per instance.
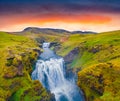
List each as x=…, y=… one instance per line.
x=99, y=63
x=17, y=55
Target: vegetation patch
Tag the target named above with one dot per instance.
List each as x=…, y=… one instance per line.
x=18, y=54
x=98, y=62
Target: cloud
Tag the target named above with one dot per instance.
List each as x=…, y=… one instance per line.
x=63, y=8
x=46, y=12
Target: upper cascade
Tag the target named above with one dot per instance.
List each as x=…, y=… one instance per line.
x=48, y=53
x=46, y=45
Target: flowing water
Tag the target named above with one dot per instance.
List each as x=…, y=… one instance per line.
x=50, y=71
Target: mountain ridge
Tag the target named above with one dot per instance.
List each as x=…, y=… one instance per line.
x=37, y=30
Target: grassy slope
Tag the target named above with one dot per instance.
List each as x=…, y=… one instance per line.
x=17, y=55
x=99, y=59
x=43, y=36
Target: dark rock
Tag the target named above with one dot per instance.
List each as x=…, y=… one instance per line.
x=14, y=84
x=95, y=49
x=9, y=61
x=23, y=54
x=10, y=73
x=40, y=40
x=71, y=55
x=20, y=68
x=10, y=58
x=37, y=50
x=52, y=97
x=70, y=73
x=26, y=91
x=83, y=32
x=56, y=46
x=8, y=76
x=53, y=44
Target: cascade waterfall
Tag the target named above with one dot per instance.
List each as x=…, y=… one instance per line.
x=50, y=71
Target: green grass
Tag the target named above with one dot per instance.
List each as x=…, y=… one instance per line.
x=106, y=43
x=98, y=62
x=82, y=60
x=16, y=50
x=101, y=82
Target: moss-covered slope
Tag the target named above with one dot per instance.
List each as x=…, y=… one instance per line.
x=101, y=82
x=17, y=56
x=98, y=60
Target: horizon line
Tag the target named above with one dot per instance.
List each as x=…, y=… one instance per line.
x=58, y=29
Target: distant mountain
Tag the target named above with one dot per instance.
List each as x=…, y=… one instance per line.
x=45, y=30
x=37, y=30
x=83, y=32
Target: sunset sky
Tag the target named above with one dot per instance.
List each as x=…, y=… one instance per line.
x=90, y=15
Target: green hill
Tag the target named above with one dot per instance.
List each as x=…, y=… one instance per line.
x=17, y=56
x=98, y=62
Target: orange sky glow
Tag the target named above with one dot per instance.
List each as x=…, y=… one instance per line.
x=71, y=22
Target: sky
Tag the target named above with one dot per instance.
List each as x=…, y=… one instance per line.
x=85, y=15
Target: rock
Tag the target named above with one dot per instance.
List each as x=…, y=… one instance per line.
x=9, y=61
x=53, y=44
x=10, y=58
x=10, y=73
x=70, y=73
x=95, y=49
x=71, y=55
x=8, y=76
x=20, y=68
x=40, y=40
x=23, y=54
x=52, y=97
x=37, y=50
x=14, y=84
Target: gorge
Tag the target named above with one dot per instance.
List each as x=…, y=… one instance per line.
x=50, y=71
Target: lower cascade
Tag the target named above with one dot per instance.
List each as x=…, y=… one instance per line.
x=50, y=71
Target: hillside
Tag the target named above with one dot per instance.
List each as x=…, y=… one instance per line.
x=51, y=31
x=17, y=56
x=97, y=58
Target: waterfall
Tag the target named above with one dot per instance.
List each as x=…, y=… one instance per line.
x=50, y=71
